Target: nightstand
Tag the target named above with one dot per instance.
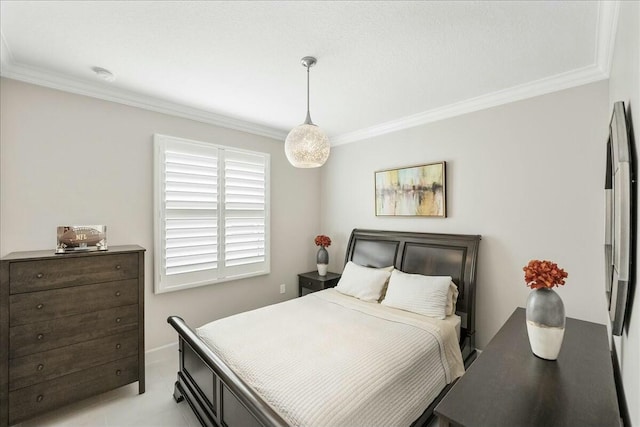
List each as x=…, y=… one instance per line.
x=312, y=282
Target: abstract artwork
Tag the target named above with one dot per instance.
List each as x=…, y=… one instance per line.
x=412, y=191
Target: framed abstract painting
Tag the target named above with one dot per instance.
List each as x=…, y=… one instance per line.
x=412, y=191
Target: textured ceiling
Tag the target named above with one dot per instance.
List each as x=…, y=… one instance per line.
x=378, y=62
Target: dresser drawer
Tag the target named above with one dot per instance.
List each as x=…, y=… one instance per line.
x=47, y=335
x=47, y=365
x=45, y=305
x=29, y=401
x=40, y=275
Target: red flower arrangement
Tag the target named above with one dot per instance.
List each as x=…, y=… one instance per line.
x=543, y=274
x=322, y=240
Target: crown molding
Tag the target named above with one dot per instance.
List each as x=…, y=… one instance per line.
x=555, y=83
x=607, y=26
x=9, y=68
x=605, y=39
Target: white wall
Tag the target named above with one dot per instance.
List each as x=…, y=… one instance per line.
x=624, y=85
x=527, y=176
x=70, y=159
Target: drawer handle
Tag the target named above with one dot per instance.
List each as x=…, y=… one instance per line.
x=40, y=367
x=40, y=398
x=39, y=275
x=117, y=293
x=118, y=320
x=40, y=336
x=118, y=346
x=39, y=306
x=118, y=372
x=118, y=267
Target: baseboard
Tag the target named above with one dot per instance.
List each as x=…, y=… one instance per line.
x=622, y=400
x=162, y=353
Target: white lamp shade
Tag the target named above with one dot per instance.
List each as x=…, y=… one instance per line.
x=307, y=146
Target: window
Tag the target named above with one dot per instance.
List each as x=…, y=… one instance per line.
x=211, y=213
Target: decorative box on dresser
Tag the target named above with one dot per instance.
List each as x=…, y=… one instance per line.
x=71, y=326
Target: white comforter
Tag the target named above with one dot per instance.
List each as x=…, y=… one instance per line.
x=332, y=360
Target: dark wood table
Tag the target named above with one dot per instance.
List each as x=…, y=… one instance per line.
x=509, y=386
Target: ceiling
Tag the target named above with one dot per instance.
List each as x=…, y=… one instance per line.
x=382, y=66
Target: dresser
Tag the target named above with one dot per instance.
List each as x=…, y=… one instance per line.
x=508, y=386
x=71, y=326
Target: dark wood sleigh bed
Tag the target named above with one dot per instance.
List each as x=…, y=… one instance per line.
x=219, y=397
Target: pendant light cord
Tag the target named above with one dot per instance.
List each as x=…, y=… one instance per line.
x=308, y=119
x=307, y=89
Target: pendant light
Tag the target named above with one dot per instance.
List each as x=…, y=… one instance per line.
x=306, y=145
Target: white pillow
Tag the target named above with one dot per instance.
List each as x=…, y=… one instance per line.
x=363, y=282
x=426, y=295
x=452, y=299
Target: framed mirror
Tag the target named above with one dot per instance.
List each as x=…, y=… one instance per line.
x=619, y=224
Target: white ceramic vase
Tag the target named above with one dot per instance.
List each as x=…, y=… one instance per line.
x=545, y=323
x=322, y=269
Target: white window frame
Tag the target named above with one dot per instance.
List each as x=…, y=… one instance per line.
x=223, y=273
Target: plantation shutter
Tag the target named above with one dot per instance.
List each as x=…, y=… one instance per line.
x=211, y=223
x=245, y=212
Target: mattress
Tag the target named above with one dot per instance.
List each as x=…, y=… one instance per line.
x=328, y=359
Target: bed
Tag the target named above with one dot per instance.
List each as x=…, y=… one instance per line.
x=222, y=392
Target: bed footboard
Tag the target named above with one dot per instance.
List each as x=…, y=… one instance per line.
x=217, y=396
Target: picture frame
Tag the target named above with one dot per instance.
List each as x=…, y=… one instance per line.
x=411, y=191
x=619, y=220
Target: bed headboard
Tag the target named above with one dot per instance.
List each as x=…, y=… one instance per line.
x=430, y=254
